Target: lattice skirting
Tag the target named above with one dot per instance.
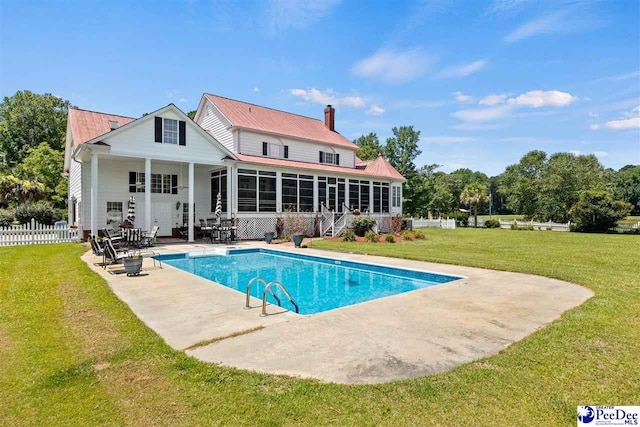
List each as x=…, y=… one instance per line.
x=254, y=228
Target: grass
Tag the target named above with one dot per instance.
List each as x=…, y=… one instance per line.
x=71, y=353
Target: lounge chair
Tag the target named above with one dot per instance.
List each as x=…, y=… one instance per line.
x=96, y=248
x=110, y=254
x=148, y=238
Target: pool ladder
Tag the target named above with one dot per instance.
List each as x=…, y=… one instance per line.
x=267, y=288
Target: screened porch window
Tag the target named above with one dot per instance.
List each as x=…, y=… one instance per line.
x=219, y=185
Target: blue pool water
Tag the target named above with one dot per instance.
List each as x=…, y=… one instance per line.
x=315, y=283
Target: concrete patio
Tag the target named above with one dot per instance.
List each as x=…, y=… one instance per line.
x=403, y=336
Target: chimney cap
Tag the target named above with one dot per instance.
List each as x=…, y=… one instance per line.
x=329, y=106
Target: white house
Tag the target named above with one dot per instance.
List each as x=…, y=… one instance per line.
x=264, y=162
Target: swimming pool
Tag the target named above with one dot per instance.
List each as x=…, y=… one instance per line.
x=315, y=283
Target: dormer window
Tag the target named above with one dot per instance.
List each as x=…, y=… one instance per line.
x=170, y=131
x=329, y=157
x=271, y=149
x=113, y=125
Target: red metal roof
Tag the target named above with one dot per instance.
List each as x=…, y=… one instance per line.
x=381, y=167
x=256, y=117
x=86, y=125
x=379, y=171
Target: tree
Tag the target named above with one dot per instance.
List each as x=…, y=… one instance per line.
x=418, y=190
x=596, y=211
x=460, y=178
x=442, y=200
x=562, y=179
x=369, y=146
x=28, y=119
x=520, y=183
x=402, y=149
x=44, y=164
x=474, y=195
x=627, y=188
x=192, y=114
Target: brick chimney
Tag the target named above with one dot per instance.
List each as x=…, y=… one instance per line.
x=330, y=117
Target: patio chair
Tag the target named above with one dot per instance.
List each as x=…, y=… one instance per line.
x=111, y=255
x=95, y=247
x=148, y=238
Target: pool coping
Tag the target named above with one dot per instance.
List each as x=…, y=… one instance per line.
x=410, y=334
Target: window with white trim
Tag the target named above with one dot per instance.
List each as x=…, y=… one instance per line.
x=274, y=149
x=161, y=183
x=136, y=182
x=395, y=196
x=170, y=131
x=329, y=157
x=114, y=213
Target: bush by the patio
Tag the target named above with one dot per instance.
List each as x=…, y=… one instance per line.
x=419, y=234
x=407, y=235
x=6, y=217
x=348, y=236
x=371, y=236
x=492, y=223
x=362, y=224
x=389, y=238
x=42, y=212
x=596, y=211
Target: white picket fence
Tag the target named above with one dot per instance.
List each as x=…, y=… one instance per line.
x=35, y=233
x=554, y=226
x=449, y=224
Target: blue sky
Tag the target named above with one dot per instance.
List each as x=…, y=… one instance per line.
x=484, y=82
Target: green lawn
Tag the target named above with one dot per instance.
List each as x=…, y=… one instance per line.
x=71, y=353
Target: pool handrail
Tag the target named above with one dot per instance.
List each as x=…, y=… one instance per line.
x=282, y=288
x=248, y=291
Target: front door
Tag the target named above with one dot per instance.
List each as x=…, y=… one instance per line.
x=161, y=215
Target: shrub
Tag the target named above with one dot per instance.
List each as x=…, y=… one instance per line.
x=6, y=217
x=349, y=236
x=596, y=211
x=492, y=223
x=396, y=224
x=389, y=238
x=371, y=236
x=42, y=212
x=407, y=235
x=515, y=226
x=462, y=219
x=419, y=235
x=362, y=224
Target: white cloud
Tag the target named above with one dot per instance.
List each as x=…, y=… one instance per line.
x=182, y=100
x=482, y=114
x=375, y=110
x=256, y=89
x=624, y=124
x=632, y=120
x=296, y=14
x=626, y=76
x=493, y=99
x=471, y=126
x=462, y=70
x=540, y=98
x=328, y=96
x=594, y=126
x=574, y=17
x=461, y=97
x=600, y=154
x=575, y=152
x=447, y=139
x=594, y=115
x=393, y=66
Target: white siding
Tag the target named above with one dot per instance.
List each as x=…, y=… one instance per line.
x=214, y=122
x=138, y=141
x=302, y=151
x=75, y=188
x=113, y=175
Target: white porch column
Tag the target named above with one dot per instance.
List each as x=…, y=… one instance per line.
x=94, y=193
x=229, y=191
x=370, y=196
x=191, y=202
x=346, y=193
x=278, y=191
x=147, y=194
x=316, y=208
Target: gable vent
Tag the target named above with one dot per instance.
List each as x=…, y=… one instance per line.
x=113, y=125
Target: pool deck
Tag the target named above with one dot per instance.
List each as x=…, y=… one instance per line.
x=403, y=336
